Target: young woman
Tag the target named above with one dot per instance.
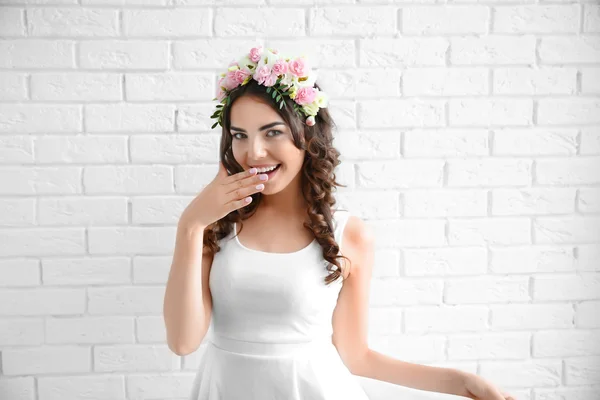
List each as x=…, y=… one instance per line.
x=263, y=256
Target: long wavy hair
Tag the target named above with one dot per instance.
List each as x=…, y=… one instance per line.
x=318, y=178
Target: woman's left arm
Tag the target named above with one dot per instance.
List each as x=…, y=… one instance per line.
x=350, y=330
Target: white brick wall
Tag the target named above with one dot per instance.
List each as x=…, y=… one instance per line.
x=470, y=136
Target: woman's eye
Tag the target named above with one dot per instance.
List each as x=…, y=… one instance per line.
x=276, y=131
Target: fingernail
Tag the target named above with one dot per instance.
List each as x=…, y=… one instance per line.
x=253, y=170
x=261, y=186
x=263, y=177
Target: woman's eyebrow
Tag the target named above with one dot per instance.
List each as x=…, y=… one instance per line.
x=262, y=128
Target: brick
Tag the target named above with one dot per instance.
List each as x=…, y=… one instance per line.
x=128, y=179
x=494, y=49
x=523, y=373
x=129, y=117
x=489, y=172
x=490, y=112
x=175, y=148
x=17, y=212
x=365, y=144
x=444, y=203
x=41, y=301
x=537, y=19
x=16, y=149
x=444, y=261
x=446, y=319
x=40, y=180
x=51, y=387
x=82, y=87
x=130, y=240
x=13, y=86
x=587, y=257
x=569, y=111
x=362, y=83
x=445, y=142
x=590, y=140
x=78, y=22
x=447, y=20
x=567, y=230
x=37, y=54
x=588, y=314
x=569, y=50
x=87, y=149
x=402, y=52
x=489, y=346
x=129, y=301
x=532, y=259
x=583, y=286
x=32, y=118
x=589, y=200
x=590, y=80
x=46, y=360
x=372, y=204
x=82, y=211
x=535, y=201
x=343, y=21
x=591, y=18
x=529, y=81
x=396, y=292
x=21, y=332
x=20, y=272
x=169, y=87
x=82, y=271
x=263, y=21
x=131, y=54
x=582, y=370
x=400, y=113
x=445, y=82
x=400, y=174
x=564, y=343
x=134, y=358
x=209, y=53
x=166, y=22
x=567, y=171
x=535, y=141
x=12, y=22
x=520, y=316
x=489, y=231
x=90, y=330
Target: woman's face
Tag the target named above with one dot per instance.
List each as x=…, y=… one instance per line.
x=260, y=138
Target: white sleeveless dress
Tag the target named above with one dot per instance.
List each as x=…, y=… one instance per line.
x=272, y=327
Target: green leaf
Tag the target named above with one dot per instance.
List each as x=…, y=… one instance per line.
x=274, y=94
x=215, y=124
x=219, y=105
x=281, y=105
x=268, y=90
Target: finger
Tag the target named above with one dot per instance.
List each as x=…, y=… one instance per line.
x=238, y=177
x=247, y=182
x=237, y=204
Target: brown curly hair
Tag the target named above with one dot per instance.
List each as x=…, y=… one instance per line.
x=317, y=180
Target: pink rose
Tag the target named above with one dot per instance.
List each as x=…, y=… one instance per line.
x=229, y=82
x=220, y=95
x=240, y=75
x=297, y=67
x=262, y=73
x=305, y=95
x=255, y=53
x=280, y=67
x=270, y=80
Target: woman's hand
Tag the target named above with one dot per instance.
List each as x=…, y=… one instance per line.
x=478, y=388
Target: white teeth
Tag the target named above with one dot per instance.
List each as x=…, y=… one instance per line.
x=267, y=169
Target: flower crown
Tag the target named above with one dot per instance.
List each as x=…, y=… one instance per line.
x=283, y=76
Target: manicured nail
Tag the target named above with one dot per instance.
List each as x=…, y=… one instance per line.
x=253, y=171
x=261, y=186
x=263, y=177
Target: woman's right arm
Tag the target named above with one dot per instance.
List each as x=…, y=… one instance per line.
x=187, y=304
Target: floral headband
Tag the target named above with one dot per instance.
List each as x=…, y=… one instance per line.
x=283, y=76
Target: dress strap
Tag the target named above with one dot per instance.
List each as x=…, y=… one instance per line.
x=340, y=218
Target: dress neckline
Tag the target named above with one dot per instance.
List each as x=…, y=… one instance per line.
x=237, y=240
